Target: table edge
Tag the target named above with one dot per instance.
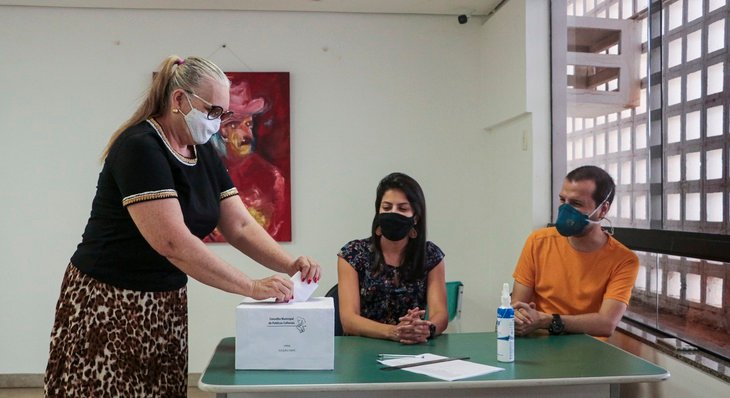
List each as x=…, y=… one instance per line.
x=431, y=385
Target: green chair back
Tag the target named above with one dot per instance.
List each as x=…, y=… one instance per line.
x=454, y=294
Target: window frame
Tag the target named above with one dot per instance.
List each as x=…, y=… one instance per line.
x=713, y=244
x=712, y=247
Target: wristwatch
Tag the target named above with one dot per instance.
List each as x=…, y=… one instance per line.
x=557, y=326
x=431, y=331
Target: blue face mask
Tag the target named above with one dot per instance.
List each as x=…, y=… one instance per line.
x=572, y=222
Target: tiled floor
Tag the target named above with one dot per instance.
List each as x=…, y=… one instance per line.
x=193, y=392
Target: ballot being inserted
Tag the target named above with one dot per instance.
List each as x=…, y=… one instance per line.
x=302, y=290
x=448, y=370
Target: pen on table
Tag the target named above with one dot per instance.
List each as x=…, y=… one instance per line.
x=396, y=356
x=408, y=365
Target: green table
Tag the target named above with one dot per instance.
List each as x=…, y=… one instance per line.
x=570, y=365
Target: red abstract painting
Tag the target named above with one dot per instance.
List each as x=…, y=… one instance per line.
x=255, y=147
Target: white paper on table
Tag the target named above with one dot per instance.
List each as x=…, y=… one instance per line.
x=302, y=290
x=449, y=370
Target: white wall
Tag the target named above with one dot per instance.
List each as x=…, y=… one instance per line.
x=515, y=117
x=371, y=94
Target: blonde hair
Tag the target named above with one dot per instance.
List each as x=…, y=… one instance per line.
x=174, y=73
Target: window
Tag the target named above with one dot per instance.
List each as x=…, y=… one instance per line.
x=647, y=99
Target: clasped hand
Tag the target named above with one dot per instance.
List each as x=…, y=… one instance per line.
x=527, y=318
x=412, y=328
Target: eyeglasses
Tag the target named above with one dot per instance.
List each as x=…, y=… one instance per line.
x=214, y=111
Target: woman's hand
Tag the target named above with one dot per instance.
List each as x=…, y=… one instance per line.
x=413, y=332
x=412, y=329
x=309, y=268
x=413, y=314
x=275, y=286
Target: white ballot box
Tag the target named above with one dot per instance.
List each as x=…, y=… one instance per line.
x=286, y=335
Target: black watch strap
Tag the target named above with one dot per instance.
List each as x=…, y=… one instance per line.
x=431, y=331
x=557, y=326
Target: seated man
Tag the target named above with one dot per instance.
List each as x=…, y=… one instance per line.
x=575, y=277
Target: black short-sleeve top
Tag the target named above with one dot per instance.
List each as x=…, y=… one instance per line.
x=142, y=166
x=384, y=296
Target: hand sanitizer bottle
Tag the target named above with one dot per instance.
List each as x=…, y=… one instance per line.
x=505, y=328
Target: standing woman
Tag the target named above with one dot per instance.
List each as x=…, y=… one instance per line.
x=121, y=318
x=385, y=281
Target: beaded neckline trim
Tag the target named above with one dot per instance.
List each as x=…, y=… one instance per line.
x=183, y=159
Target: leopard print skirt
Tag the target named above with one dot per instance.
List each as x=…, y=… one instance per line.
x=111, y=342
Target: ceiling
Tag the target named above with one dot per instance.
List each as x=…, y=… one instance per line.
x=431, y=7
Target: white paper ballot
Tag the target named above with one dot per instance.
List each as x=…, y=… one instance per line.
x=302, y=290
x=451, y=370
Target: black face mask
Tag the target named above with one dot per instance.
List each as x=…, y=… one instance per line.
x=395, y=226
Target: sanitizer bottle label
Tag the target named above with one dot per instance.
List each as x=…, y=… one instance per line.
x=505, y=334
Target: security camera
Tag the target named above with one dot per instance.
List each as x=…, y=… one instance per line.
x=463, y=18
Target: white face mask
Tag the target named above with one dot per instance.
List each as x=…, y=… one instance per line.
x=201, y=128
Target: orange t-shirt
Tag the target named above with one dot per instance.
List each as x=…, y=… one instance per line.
x=566, y=281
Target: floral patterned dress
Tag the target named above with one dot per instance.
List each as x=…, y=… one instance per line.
x=384, y=297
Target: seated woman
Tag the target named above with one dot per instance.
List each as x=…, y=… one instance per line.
x=386, y=280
